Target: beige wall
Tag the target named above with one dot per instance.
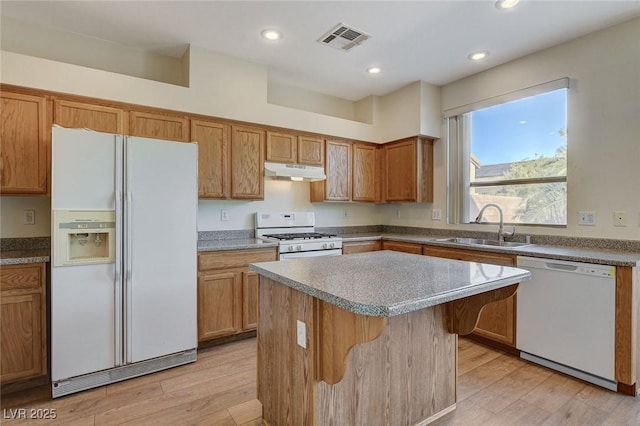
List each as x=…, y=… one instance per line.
x=603, y=126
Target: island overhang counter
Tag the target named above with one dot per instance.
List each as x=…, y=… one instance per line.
x=369, y=338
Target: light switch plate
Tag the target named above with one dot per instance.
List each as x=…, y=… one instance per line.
x=436, y=214
x=587, y=218
x=302, y=333
x=28, y=217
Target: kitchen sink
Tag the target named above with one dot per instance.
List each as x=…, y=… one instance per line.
x=482, y=242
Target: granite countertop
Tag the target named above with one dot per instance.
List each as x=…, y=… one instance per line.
x=387, y=283
x=237, y=244
x=576, y=254
x=25, y=256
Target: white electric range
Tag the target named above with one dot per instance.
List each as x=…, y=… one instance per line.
x=296, y=236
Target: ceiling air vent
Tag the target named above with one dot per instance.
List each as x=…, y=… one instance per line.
x=343, y=37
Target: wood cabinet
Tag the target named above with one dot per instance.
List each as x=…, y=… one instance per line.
x=364, y=173
x=408, y=171
x=25, y=136
x=228, y=291
x=213, y=141
x=79, y=115
x=337, y=186
x=498, y=319
x=159, y=126
x=291, y=148
x=247, y=163
x=402, y=246
x=23, y=322
x=361, y=246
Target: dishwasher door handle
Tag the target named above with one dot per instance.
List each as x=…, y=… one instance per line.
x=560, y=266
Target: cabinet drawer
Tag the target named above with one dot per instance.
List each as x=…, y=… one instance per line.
x=402, y=246
x=18, y=277
x=234, y=258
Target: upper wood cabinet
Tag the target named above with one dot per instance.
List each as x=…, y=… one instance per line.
x=310, y=150
x=213, y=141
x=289, y=148
x=408, y=170
x=282, y=147
x=23, y=322
x=364, y=173
x=247, y=163
x=79, y=115
x=337, y=186
x=159, y=126
x=25, y=137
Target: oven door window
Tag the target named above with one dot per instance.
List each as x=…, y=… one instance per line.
x=298, y=255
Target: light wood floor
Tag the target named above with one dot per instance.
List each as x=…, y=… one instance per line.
x=220, y=389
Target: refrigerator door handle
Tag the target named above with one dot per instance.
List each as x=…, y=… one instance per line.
x=128, y=279
x=117, y=288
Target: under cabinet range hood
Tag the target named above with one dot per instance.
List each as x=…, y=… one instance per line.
x=294, y=172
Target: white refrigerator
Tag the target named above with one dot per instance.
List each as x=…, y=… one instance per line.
x=124, y=257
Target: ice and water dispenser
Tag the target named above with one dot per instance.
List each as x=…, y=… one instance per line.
x=84, y=237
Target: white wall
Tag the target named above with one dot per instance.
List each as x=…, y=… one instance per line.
x=603, y=129
x=11, y=217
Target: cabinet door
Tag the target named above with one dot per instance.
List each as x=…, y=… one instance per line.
x=25, y=144
x=219, y=304
x=158, y=126
x=78, y=115
x=364, y=173
x=247, y=163
x=497, y=320
x=401, y=160
x=250, y=281
x=22, y=322
x=338, y=171
x=310, y=151
x=360, y=246
x=282, y=147
x=402, y=246
x=213, y=158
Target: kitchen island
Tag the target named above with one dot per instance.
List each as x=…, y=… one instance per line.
x=368, y=338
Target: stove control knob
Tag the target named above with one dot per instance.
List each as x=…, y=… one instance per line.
x=332, y=245
x=299, y=248
x=290, y=248
x=324, y=246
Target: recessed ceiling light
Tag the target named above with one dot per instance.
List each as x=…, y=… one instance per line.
x=374, y=70
x=476, y=56
x=506, y=4
x=271, y=35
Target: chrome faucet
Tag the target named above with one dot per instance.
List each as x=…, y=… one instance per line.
x=501, y=232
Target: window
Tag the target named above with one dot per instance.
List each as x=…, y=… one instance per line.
x=511, y=151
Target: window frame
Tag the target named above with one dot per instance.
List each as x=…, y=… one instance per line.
x=459, y=156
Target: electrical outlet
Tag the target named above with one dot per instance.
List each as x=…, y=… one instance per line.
x=345, y=214
x=619, y=218
x=224, y=215
x=397, y=213
x=302, y=333
x=28, y=217
x=436, y=214
x=587, y=218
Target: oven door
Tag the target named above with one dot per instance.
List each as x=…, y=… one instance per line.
x=317, y=253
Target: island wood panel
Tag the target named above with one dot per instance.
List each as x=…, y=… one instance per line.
x=402, y=246
x=311, y=150
x=22, y=322
x=463, y=314
x=159, y=126
x=24, y=152
x=80, y=115
x=497, y=320
x=351, y=247
x=364, y=173
x=285, y=370
x=282, y=147
x=247, y=163
x=404, y=377
x=338, y=171
x=213, y=158
x=626, y=341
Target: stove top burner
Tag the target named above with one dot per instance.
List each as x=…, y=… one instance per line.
x=299, y=236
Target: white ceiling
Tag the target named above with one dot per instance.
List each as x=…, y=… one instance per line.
x=411, y=40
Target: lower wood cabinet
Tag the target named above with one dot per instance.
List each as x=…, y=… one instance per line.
x=228, y=291
x=497, y=320
x=402, y=246
x=23, y=322
x=361, y=246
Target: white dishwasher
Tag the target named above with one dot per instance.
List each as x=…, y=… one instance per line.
x=566, y=318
